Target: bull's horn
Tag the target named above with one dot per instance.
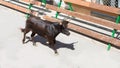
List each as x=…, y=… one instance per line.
x=60, y=23
x=36, y=14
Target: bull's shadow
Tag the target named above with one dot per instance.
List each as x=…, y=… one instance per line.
x=57, y=45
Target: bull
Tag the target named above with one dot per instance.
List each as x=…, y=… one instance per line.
x=48, y=30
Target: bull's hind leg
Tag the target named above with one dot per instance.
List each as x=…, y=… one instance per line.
x=24, y=36
x=32, y=38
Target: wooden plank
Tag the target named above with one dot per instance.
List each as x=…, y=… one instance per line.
x=86, y=17
x=96, y=7
x=13, y=6
x=16, y=7
x=81, y=9
x=88, y=32
x=35, y=2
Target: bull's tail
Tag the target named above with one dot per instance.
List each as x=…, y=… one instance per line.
x=22, y=29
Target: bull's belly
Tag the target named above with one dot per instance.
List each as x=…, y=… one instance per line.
x=42, y=34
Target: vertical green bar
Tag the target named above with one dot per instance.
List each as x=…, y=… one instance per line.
x=59, y=5
x=29, y=8
x=109, y=47
x=114, y=31
x=57, y=13
x=70, y=6
x=44, y=1
x=118, y=19
x=113, y=35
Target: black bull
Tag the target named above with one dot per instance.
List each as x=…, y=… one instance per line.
x=46, y=29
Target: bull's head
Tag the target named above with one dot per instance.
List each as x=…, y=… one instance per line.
x=64, y=28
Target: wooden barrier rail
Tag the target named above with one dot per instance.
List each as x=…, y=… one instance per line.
x=100, y=8
x=71, y=26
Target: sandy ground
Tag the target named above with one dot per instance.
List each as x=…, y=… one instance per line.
x=75, y=51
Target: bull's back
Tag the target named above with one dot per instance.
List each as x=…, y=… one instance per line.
x=43, y=27
x=38, y=25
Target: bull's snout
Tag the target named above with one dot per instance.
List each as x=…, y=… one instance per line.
x=66, y=32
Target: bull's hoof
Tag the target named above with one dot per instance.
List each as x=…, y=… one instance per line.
x=23, y=42
x=56, y=53
x=34, y=44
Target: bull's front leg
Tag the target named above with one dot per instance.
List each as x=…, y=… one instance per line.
x=24, y=35
x=23, y=41
x=51, y=42
x=52, y=45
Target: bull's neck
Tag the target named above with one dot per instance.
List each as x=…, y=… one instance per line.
x=57, y=29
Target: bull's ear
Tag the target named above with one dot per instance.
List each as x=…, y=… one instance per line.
x=36, y=13
x=66, y=22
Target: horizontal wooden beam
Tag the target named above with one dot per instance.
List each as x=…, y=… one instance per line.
x=32, y=1
x=13, y=6
x=96, y=7
x=16, y=7
x=88, y=32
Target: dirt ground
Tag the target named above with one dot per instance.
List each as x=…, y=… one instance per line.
x=75, y=51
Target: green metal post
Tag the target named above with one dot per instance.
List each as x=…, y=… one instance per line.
x=118, y=19
x=70, y=6
x=114, y=31
x=59, y=5
x=29, y=8
x=113, y=35
x=44, y=1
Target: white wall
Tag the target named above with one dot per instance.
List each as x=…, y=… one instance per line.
x=119, y=3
